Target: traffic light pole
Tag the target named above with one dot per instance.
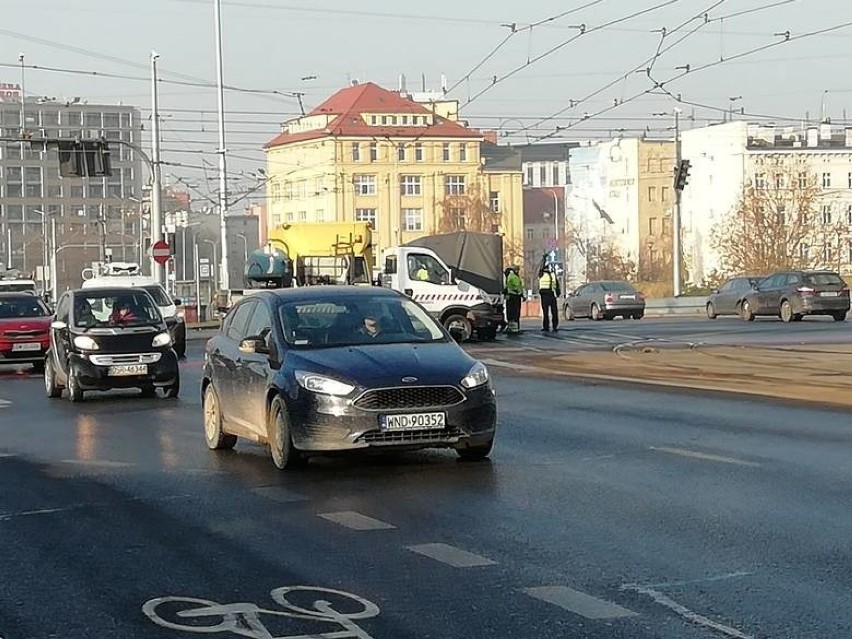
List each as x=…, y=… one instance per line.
x=677, y=249
x=156, y=186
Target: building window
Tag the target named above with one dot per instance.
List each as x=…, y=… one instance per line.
x=365, y=184
x=528, y=176
x=446, y=151
x=410, y=185
x=826, y=214
x=652, y=193
x=760, y=181
x=400, y=152
x=413, y=219
x=276, y=192
x=803, y=180
x=542, y=175
x=320, y=215
x=849, y=180
x=462, y=152
x=803, y=251
x=405, y=120
x=454, y=185
x=494, y=198
x=652, y=226
x=374, y=120
x=32, y=174
x=366, y=215
x=288, y=190
x=780, y=181
x=556, y=172
x=530, y=234
x=374, y=152
x=356, y=151
x=458, y=217
x=418, y=152
x=303, y=216
x=849, y=214
x=667, y=226
x=826, y=180
x=827, y=254
x=302, y=189
x=665, y=193
x=288, y=216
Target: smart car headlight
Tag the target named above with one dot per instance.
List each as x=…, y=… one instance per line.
x=322, y=384
x=162, y=340
x=477, y=376
x=86, y=343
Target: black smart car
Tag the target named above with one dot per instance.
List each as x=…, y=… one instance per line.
x=109, y=338
x=326, y=369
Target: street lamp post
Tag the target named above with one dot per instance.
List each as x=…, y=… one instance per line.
x=215, y=262
x=245, y=246
x=45, y=250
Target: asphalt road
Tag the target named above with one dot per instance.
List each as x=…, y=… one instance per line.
x=605, y=514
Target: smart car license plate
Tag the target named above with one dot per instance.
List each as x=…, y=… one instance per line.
x=830, y=294
x=416, y=421
x=26, y=346
x=128, y=369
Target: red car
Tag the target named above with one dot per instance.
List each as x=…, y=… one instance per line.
x=24, y=330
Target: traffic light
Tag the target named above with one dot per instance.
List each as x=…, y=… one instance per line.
x=681, y=174
x=84, y=158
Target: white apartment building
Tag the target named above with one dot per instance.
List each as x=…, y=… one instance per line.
x=726, y=157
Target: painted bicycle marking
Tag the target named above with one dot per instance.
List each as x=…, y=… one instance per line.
x=244, y=619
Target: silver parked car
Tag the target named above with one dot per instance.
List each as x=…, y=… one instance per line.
x=605, y=300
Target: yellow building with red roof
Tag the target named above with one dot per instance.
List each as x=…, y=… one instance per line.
x=408, y=167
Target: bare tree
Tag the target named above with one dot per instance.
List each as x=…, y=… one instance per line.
x=780, y=222
x=468, y=211
x=605, y=261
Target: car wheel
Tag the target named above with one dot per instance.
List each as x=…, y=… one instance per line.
x=172, y=392
x=50, y=386
x=38, y=367
x=638, y=316
x=595, y=313
x=840, y=316
x=456, y=320
x=284, y=454
x=786, y=312
x=475, y=453
x=711, y=311
x=569, y=314
x=215, y=437
x=746, y=312
x=75, y=392
x=149, y=391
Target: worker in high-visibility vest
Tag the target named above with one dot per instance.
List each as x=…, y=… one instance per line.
x=422, y=274
x=548, y=290
x=514, y=297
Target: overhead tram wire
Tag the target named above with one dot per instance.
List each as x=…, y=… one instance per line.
x=583, y=30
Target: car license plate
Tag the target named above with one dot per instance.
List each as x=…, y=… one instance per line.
x=829, y=294
x=128, y=369
x=416, y=421
x=628, y=297
x=27, y=346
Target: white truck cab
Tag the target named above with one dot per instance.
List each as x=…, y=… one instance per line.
x=421, y=274
x=14, y=281
x=129, y=274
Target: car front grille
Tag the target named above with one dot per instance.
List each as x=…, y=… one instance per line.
x=130, y=358
x=402, y=398
x=437, y=435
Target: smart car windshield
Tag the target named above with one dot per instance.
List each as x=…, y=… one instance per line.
x=110, y=309
x=22, y=307
x=357, y=320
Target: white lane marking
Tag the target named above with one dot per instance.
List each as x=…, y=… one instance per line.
x=686, y=613
x=103, y=463
x=452, y=556
x=279, y=494
x=5, y=403
x=6, y=456
x=692, y=454
x=692, y=582
x=356, y=521
x=579, y=603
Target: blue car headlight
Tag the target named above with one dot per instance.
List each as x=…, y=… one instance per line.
x=477, y=376
x=323, y=385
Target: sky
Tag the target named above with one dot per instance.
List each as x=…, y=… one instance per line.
x=543, y=71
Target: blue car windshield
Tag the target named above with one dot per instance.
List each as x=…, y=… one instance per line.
x=356, y=321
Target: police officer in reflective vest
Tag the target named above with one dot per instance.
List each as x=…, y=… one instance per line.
x=514, y=296
x=548, y=290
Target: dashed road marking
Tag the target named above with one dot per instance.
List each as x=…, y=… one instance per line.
x=6, y=456
x=452, y=556
x=579, y=603
x=279, y=494
x=356, y=521
x=692, y=454
x=4, y=403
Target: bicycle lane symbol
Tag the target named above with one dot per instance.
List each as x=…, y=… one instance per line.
x=244, y=619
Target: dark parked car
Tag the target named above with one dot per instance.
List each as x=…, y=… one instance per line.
x=728, y=298
x=794, y=294
x=326, y=368
x=605, y=300
x=24, y=329
x=107, y=338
